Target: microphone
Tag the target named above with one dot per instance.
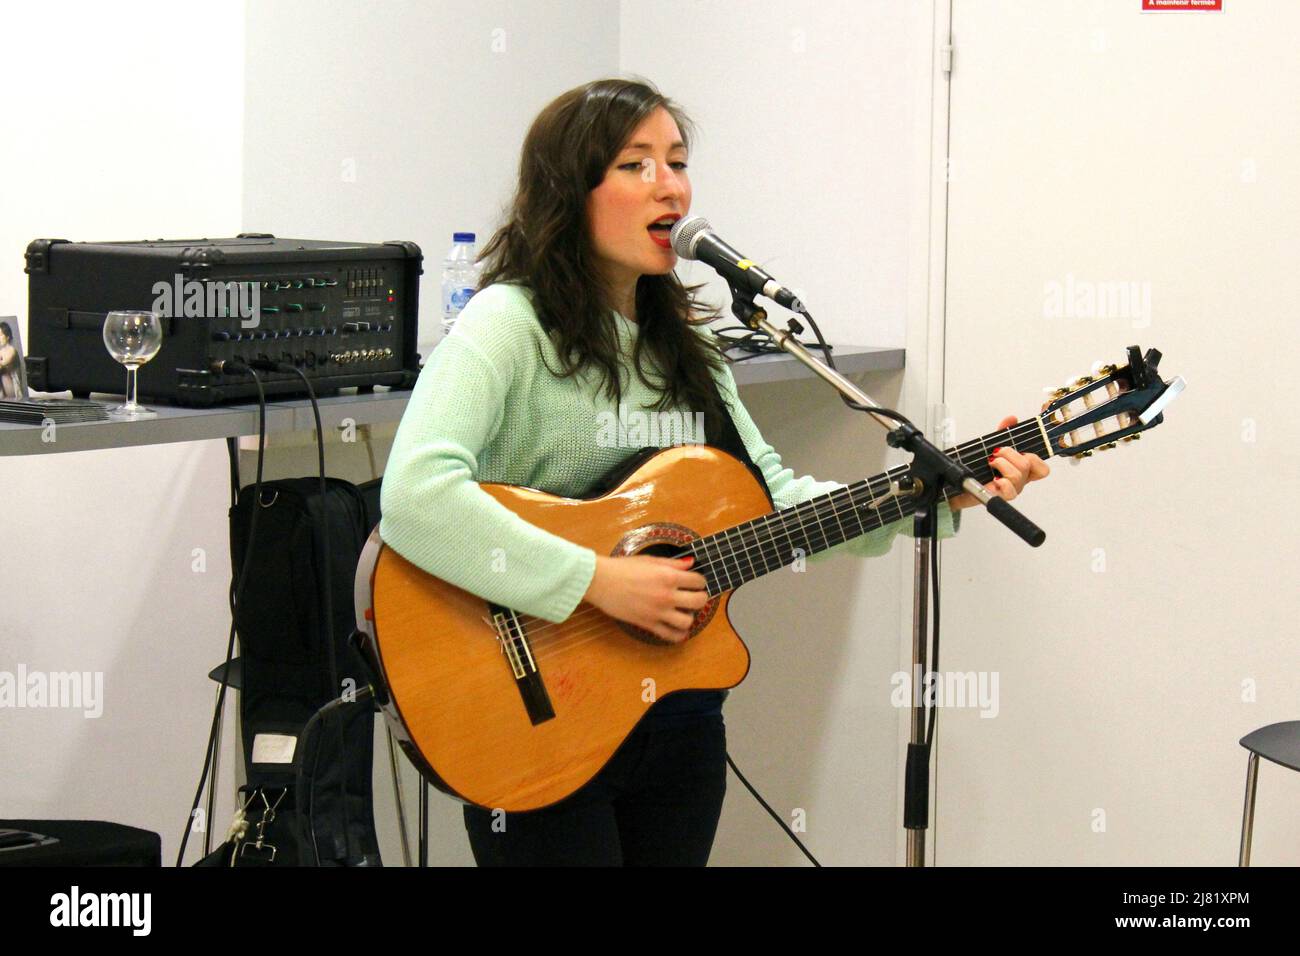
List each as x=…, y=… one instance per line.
x=694, y=238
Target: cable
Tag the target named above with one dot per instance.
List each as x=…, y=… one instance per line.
x=759, y=342
x=830, y=360
x=934, y=711
x=781, y=823
x=234, y=595
x=934, y=551
x=367, y=692
x=755, y=342
x=934, y=542
x=328, y=612
x=926, y=746
x=250, y=368
x=934, y=599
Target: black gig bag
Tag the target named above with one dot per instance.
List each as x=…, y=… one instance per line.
x=309, y=792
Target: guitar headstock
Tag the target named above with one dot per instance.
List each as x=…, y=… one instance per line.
x=1114, y=404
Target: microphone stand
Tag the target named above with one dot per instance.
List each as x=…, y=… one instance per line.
x=931, y=473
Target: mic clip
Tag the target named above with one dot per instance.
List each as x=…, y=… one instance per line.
x=745, y=308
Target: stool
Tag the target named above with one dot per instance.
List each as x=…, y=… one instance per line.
x=1279, y=743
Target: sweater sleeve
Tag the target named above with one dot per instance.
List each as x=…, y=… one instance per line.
x=434, y=512
x=788, y=491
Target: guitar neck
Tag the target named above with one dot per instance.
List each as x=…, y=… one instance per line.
x=729, y=558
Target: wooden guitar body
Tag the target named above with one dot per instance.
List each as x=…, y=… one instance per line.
x=517, y=713
x=453, y=697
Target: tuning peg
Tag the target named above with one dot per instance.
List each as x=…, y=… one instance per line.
x=1134, y=437
x=1084, y=380
x=1085, y=454
x=1107, y=447
x=1056, y=392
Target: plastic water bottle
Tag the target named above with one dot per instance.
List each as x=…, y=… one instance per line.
x=459, y=278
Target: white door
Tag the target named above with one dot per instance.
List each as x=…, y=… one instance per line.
x=1119, y=178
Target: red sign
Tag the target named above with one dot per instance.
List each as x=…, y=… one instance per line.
x=1159, y=6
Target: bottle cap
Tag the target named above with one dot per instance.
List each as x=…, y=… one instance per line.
x=462, y=237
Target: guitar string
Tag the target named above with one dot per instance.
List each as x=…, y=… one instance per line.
x=540, y=640
x=569, y=639
x=592, y=629
x=799, y=512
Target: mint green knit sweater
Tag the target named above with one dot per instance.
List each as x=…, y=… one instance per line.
x=486, y=409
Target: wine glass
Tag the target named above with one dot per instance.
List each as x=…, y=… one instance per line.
x=132, y=338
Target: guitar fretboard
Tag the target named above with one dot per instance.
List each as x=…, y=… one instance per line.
x=729, y=558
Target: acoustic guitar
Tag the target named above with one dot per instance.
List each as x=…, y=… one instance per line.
x=514, y=712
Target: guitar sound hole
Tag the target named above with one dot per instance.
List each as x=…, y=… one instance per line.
x=663, y=550
x=663, y=541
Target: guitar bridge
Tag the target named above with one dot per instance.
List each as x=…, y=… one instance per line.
x=528, y=678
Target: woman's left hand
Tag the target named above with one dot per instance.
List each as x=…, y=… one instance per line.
x=1016, y=470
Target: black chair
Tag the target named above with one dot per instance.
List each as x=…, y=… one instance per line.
x=1279, y=743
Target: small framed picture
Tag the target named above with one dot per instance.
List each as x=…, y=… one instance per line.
x=13, y=370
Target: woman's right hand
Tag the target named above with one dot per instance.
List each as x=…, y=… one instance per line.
x=656, y=594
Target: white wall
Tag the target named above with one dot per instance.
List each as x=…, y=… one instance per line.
x=356, y=130
x=420, y=172
x=349, y=132
x=132, y=131
x=813, y=159
x=420, y=179
x=1093, y=141
x=403, y=121
x=805, y=157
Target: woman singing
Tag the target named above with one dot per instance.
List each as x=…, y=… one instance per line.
x=580, y=312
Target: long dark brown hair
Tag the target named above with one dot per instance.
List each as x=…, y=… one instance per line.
x=545, y=245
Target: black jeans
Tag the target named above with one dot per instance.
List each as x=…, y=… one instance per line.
x=656, y=803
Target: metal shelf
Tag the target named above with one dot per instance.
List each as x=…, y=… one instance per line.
x=175, y=424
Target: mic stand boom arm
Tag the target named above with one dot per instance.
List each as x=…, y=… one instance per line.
x=928, y=458
x=930, y=473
